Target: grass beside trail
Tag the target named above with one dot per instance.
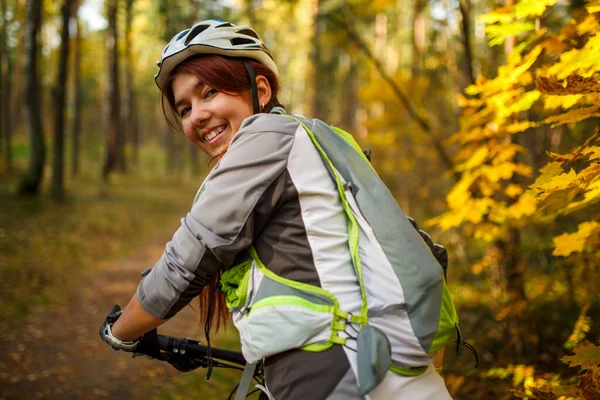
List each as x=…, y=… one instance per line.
x=46, y=247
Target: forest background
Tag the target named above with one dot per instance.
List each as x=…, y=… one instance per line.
x=482, y=118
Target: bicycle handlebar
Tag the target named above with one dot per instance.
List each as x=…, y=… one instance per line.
x=188, y=354
x=192, y=349
x=184, y=354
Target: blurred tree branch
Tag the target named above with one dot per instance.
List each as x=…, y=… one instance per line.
x=348, y=23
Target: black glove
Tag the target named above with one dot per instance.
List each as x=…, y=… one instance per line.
x=148, y=346
x=182, y=364
x=107, y=336
x=182, y=360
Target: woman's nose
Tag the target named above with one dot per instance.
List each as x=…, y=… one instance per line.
x=199, y=115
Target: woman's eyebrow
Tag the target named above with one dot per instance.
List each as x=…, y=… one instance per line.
x=197, y=86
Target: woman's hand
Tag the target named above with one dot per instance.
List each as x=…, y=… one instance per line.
x=122, y=330
x=109, y=338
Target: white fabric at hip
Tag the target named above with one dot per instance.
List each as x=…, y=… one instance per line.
x=427, y=386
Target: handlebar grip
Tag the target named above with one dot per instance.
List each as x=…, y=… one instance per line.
x=164, y=343
x=194, y=348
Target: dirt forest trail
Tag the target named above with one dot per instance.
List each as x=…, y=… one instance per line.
x=56, y=353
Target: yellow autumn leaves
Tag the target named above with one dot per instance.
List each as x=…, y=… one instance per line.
x=567, y=192
x=586, y=237
x=557, y=76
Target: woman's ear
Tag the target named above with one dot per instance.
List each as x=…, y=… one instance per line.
x=264, y=91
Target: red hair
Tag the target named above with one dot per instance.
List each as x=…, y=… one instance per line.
x=227, y=75
x=224, y=74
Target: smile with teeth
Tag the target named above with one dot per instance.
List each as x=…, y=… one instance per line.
x=214, y=133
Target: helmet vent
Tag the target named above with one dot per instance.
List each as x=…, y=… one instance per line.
x=248, y=32
x=225, y=25
x=239, y=41
x=166, y=48
x=182, y=34
x=195, y=32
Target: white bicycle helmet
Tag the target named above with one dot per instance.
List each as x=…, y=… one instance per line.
x=213, y=37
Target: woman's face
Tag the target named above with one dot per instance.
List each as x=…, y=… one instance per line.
x=209, y=118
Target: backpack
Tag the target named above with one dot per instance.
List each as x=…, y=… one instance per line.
x=406, y=315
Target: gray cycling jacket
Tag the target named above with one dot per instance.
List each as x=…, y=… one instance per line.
x=261, y=193
x=273, y=191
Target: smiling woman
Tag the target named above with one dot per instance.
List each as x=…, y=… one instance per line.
x=210, y=114
x=293, y=234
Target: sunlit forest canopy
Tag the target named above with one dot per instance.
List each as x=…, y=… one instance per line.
x=482, y=118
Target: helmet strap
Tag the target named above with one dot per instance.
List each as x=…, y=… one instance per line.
x=252, y=77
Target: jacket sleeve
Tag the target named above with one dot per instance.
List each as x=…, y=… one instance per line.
x=223, y=220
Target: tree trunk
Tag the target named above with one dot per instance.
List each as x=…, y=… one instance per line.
x=194, y=160
x=6, y=106
x=112, y=158
x=465, y=12
x=509, y=43
x=511, y=263
x=350, y=99
x=318, y=94
x=30, y=183
x=169, y=139
x=58, y=163
x=419, y=38
x=2, y=77
x=451, y=80
x=513, y=268
x=131, y=123
x=76, y=122
x=17, y=106
x=250, y=13
x=193, y=9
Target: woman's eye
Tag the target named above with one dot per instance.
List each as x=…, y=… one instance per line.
x=209, y=93
x=184, y=111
